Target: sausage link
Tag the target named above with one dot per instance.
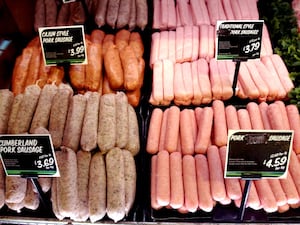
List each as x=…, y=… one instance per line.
x=6, y=99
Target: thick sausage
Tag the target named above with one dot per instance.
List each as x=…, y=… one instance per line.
x=33, y=69
x=43, y=108
x=6, y=99
x=58, y=113
x=176, y=181
x=154, y=130
x=205, y=199
x=172, y=129
x=107, y=125
x=190, y=183
x=186, y=132
x=123, y=14
x=113, y=67
x=130, y=177
x=67, y=182
x=73, y=126
x=115, y=184
x=153, y=197
x=112, y=13
x=97, y=187
x=133, y=144
x=163, y=178
x=88, y=139
x=121, y=120
x=26, y=109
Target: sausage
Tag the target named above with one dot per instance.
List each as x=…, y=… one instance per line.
x=172, y=46
x=184, y=12
x=51, y=13
x=231, y=118
x=97, y=187
x=6, y=99
x=123, y=14
x=172, y=129
x=211, y=43
x=154, y=51
x=63, y=15
x=196, y=9
x=203, y=42
x=83, y=171
x=133, y=144
x=195, y=43
x=163, y=130
x=100, y=13
x=153, y=197
x=88, y=139
x=31, y=199
x=13, y=112
x=275, y=117
x=75, y=116
x=43, y=73
x=278, y=192
x=15, y=189
x=77, y=74
x=130, y=67
x=294, y=122
x=107, y=124
x=77, y=14
x=134, y=97
x=20, y=71
x=219, y=126
x=188, y=43
x=247, y=82
x=42, y=112
x=56, y=75
x=255, y=116
x=39, y=14
x=141, y=13
x=244, y=119
x=188, y=81
x=190, y=183
x=176, y=181
x=113, y=67
x=112, y=13
x=203, y=184
x=115, y=184
x=218, y=190
x=122, y=39
x=205, y=126
x=263, y=108
x=53, y=199
x=179, y=43
x=157, y=81
x=33, y=68
x=93, y=80
x=168, y=77
x=186, y=133
x=163, y=178
x=26, y=109
x=108, y=40
x=106, y=89
x=132, y=16
x=227, y=91
x=67, y=191
x=130, y=177
x=266, y=195
x=121, y=120
x=215, y=79
x=197, y=97
x=233, y=187
x=285, y=121
x=203, y=76
x=154, y=131
x=58, y=113
x=136, y=42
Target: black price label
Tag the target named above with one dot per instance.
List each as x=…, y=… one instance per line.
x=63, y=45
x=239, y=39
x=28, y=155
x=262, y=153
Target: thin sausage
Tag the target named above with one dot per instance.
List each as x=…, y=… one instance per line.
x=163, y=178
x=219, y=127
x=172, y=129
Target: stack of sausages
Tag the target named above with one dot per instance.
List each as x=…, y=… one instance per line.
x=199, y=137
x=115, y=14
x=115, y=63
x=81, y=126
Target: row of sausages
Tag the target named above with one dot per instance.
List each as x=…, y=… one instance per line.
x=192, y=131
x=116, y=14
x=172, y=14
x=114, y=62
x=189, y=183
x=201, y=82
x=77, y=121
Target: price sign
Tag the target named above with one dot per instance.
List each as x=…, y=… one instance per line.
x=258, y=152
x=238, y=39
x=63, y=45
x=29, y=155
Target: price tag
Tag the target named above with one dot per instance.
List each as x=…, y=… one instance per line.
x=29, y=155
x=258, y=152
x=65, y=44
x=68, y=1
x=236, y=39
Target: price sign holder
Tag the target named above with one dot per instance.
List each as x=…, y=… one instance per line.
x=238, y=40
x=257, y=154
x=29, y=156
x=63, y=45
